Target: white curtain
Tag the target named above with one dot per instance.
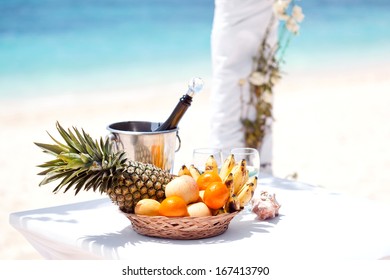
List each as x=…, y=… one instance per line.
x=238, y=28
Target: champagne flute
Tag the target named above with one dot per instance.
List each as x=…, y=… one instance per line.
x=200, y=156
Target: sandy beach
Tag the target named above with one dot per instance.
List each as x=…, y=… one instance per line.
x=331, y=129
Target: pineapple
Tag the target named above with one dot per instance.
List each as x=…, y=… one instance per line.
x=83, y=163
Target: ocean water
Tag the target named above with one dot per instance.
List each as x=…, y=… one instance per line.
x=49, y=47
x=336, y=32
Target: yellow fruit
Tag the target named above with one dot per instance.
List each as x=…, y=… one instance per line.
x=198, y=209
x=148, y=207
x=185, y=187
x=184, y=171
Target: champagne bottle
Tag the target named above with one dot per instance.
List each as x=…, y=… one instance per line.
x=194, y=86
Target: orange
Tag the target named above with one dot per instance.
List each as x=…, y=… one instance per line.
x=216, y=195
x=173, y=206
x=206, y=178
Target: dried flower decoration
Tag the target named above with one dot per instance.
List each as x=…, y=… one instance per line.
x=266, y=73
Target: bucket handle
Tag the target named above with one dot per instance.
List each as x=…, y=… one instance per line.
x=178, y=137
x=114, y=141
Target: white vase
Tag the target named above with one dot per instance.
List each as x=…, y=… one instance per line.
x=238, y=28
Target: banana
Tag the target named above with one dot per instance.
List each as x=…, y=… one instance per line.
x=247, y=180
x=195, y=173
x=184, y=171
x=229, y=183
x=211, y=164
x=215, y=212
x=238, y=172
x=232, y=205
x=227, y=166
x=245, y=177
x=253, y=180
x=246, y=194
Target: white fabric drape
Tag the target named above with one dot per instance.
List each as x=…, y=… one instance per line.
x=238, y=28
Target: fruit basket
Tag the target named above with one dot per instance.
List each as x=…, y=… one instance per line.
x=190, y=205
x=181, y=228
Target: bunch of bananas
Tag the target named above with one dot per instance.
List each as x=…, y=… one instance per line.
x=241, y=186
x=234, y=175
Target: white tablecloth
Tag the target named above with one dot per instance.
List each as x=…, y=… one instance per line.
x=313, y=224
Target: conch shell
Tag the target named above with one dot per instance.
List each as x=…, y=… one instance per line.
x=265, y=206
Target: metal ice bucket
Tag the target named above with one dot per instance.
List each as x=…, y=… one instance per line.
x=142, y=143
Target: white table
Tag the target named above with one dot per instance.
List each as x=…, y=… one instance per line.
x=313, y=224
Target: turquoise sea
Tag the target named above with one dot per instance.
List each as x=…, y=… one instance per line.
x=49, y=47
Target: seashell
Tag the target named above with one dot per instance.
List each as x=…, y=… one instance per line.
x=265, y=206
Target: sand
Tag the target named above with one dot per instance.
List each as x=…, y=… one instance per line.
x=331, y=129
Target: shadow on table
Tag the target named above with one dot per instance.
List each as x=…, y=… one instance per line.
x=244, y=228
x=239, y=229
x=53, y=214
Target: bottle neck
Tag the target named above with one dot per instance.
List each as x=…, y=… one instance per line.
x=186, y=99
x=177, y=113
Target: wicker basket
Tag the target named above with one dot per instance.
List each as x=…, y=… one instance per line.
x=181, y=228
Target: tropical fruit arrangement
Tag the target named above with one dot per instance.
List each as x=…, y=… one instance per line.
x=210, y=193
x=82, y=163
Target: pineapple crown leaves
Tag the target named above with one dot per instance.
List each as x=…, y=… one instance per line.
x=82, y=163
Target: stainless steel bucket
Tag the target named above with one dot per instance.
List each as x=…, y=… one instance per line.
x=141, y=143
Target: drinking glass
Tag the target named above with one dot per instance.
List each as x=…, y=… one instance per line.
x=252, y=158
x=200, y=156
